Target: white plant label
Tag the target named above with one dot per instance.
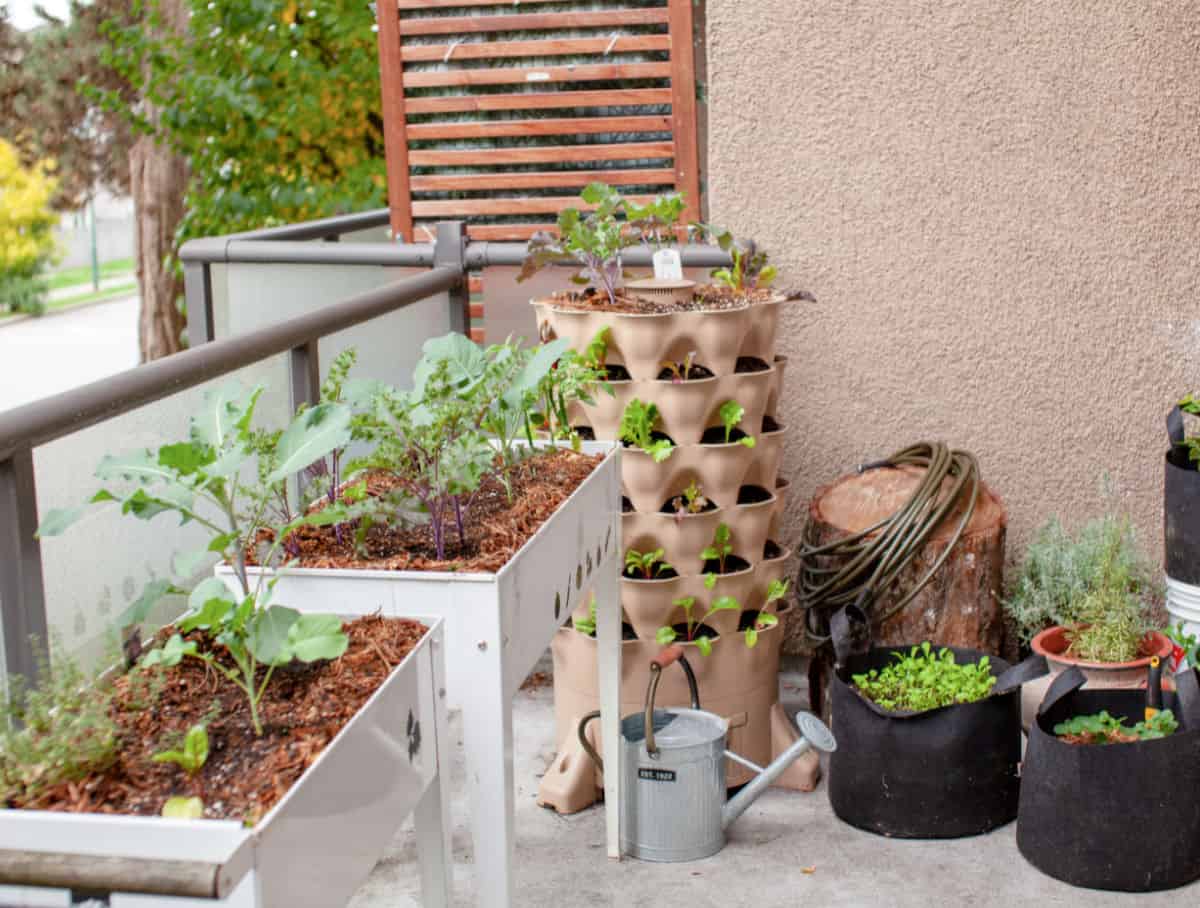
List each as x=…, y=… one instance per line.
x=667, y=265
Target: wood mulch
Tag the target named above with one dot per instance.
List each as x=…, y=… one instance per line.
x=302, y=710
x=706, y=298
x=1115, y=737
x=496, y=525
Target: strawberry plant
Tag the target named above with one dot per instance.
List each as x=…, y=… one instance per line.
x=1101, y=728
x=637, y=428
x=731, y=414
x=646, y=565
x=922, y=680
x=666, y=635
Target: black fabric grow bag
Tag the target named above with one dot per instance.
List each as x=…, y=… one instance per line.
x=1124, y=817
x=942, y=773
x=1181, y=508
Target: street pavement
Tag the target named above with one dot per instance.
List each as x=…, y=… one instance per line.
x=59, y=351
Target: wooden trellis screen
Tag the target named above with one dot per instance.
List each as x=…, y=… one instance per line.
x=499, y=112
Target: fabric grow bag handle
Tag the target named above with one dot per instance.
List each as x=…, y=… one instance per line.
x=1187, y=691
x=666, y=657
x=1067, y=682
x=850, y=630
x=1175, y=426
x=1015, y=675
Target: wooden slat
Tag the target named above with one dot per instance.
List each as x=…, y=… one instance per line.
x=391, y=75
x=540, y=154
x=540, y=179
x=566, y=126
x=560, y=47
x=441, y=208
x=683, y=106
x=506, y=231
x=540, y=101
x=508, y=75
x=524, y=22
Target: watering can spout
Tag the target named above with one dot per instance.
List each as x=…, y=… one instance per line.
x=813, y=733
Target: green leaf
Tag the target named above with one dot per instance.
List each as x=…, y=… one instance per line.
x=539, y=365
x=222, y=410
x=139, y=466
x=58, y=520
x=704, y=645
x=267, y=637
x=184, y=458
x=776, y=590
x=181, y=808
x=751, y=638
x=185, y=564
x=725, y=604
x=315, y=637
x=312, y=435
x=710, y=581
x=465, y=361
x=664, y=635
x=661, y=450
x=138, y=611
x=748, y=441
x=170, y=653
x=765, y=620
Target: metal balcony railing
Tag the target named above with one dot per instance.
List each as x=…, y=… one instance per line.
x=449, y=259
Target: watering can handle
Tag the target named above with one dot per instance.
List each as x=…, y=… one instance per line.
x=666, y=657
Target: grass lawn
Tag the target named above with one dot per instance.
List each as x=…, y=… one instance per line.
x=92, y=296
x=69, y=277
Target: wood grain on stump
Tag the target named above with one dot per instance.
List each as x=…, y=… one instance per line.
x=960, y=606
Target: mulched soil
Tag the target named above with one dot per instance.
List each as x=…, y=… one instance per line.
x=245, y=775
x=1112, y=738
x=496, y=525
x=705, y=298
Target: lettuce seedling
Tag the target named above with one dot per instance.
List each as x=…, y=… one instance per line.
x=923, y=680
x=731, y=413
x=637, y=428
x=192, y=756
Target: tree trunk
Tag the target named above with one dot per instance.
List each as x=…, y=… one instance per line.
x=158, y=180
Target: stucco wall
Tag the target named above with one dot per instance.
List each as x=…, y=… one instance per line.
x=996, y=204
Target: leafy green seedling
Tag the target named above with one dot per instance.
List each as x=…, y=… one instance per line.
x=719, y=551
x=750, y=270
x=692, y=501
x=653, y=224
x=731, y=413
x=588, y=625
x=637, y=428
x=1102, y=728
x=645, y=565
x=679, y=371
x=1191, y=404
x=667, y=635
x=923, y=680
x=776, y=590
x=192, y=756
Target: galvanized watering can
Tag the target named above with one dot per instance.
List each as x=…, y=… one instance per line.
x=673, y=805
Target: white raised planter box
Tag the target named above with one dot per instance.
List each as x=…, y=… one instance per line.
x=497, y=627
x=312, y=850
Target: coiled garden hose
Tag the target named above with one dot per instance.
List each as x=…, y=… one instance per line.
x=859, y=569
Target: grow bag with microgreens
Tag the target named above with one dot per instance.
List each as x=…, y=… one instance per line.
x=1122, y=816
x=944, y=772
x=1181, y=503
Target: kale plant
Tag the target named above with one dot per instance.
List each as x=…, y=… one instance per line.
x=923, y=680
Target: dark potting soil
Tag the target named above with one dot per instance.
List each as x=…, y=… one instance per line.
x=245, y=775
x=654, y=436
x=614, y=372
x=627, y=632
x=667, y=573
x=718, y=295
x=751, y=364
x=626, y=505
x=715, y=435
x=586, y=433
x=770, y=425
x=496, y=525
x=771, y=550
x=752, y=495
x=592, y=299
x=733, y=564
x=1113, y=737
x=747, y=621
x=699, y=630
x=694, y=373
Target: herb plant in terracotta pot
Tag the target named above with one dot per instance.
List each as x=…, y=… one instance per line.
x=1084, y=601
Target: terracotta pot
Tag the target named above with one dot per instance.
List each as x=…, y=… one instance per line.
x=1052, y=643
x=641, y=343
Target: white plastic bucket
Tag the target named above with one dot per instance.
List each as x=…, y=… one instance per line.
x=1183, y=604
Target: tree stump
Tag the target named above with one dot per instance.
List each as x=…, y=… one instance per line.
x=960, y=606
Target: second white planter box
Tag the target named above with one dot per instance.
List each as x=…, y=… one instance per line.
x=497, y=627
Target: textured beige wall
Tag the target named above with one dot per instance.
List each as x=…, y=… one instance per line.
x=996, y=204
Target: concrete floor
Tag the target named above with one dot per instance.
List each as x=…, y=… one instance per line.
x=787, y=849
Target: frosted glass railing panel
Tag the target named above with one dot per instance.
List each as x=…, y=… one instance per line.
x=249, y=296
x=100, y=565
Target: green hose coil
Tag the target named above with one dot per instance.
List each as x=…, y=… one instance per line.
x=860, y=569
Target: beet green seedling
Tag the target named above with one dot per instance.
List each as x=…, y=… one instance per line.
x=720, y=550
x=666, y=635
x=645, y=565
x=776, y=590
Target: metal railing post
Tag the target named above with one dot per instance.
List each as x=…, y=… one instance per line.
x=304, y=372
x=22, y=595
x=450, y=251
x=197, y=291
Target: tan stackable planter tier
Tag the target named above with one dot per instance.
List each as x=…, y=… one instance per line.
x=735, y=681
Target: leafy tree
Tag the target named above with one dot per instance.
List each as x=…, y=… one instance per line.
x=274, y=103
x=26, y=228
